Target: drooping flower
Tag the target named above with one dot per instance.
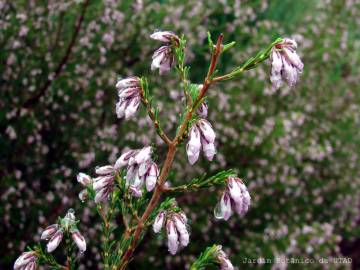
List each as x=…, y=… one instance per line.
x=26, y=261
x=201, y=135
x=163, y=59
x=164, y=36
x=55, y=240
x=129, y=93
x=180, y=224
x=159, y=221
x=202, y=111
x=49, y=232
x=235, y=198
x=79, y=240
x=223, y=259
x=172, y=236
x=285, y=63
x=103, y=185
x=194, y=145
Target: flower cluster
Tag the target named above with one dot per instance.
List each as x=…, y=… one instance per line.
x=103, y=185
x=285, y=63
x=163, y=58
x=55, y=232
x=176, y=228
x=140, y=169
x=223, y=259
x=201, y=136
x=26, y=261
x=235, y=197
x=129, y=94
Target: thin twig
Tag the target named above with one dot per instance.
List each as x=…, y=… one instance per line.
x=33, y=100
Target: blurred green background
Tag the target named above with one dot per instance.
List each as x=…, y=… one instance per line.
x=297, y=149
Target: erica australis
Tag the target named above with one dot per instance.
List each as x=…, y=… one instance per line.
x=285, y=63
x=129, y=97
x=26, y=261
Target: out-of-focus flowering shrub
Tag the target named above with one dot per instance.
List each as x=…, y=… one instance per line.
x=297, y=149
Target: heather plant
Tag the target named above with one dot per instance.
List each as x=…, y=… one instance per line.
x=296, y=149
x=121, y=188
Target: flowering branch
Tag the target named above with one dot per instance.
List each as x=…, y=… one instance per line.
x=126, y=188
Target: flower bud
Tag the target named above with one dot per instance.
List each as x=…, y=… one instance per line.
x=55, y=241
x=223, y=208
x=173, y=243
x=223, y=259
x=143, y=155
x=104, y=170
x=151, y=177
x=164, y=36
x=84, y=179
x=209, y=149
x=128, y=82
x=202, y=111
x=49, y=232
x=182, y=230
x=206, y=130
x=163, y=59
x=123, y=160
x=27, y=260
x=79, y=240
x=194, y=145
x=159, y=221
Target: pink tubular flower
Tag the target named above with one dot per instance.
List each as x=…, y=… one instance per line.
x=85, y=180
x=223, y=260
x=151, y=176
x=202, y=111
x=235, y=197
x=208, y=148
x=79, y=240
x=104, y=184
x=206, y=130
x=163, y=59
x=194, y=145
x=164, y=36
x=27, y=260
x=223, y=208
x=285, y=63
x=123, y=160
x=172, y=236
x=129, y=93
x=180, y=224
x=159, y=222
x=55, y=241
x=49, y=232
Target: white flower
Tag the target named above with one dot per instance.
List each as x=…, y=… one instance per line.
x=27, y=260
x=194, y=145
x=285, y=63
x=223, y=259
x=180, y=224
x=104, y=170
x=129, y=93
x=202, y=111
x=163, y=59
x=79, y=240
x=172, y=236
x=151, y=176
x=164, y=36
x=208, y=148
x=206, y=130
x=143, y=155
x=223, y=208
x=84, y=179
x=102, y=182
x=159, y=221
x=49, y=232
x=54, y=241
x=123, y=160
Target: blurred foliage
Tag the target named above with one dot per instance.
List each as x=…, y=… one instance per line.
x=297, y=150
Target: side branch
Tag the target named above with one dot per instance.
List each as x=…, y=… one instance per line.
x=33, y=100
